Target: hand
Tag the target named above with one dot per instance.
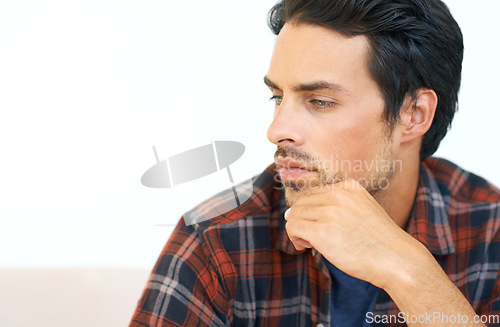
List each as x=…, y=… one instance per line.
x=351, y=230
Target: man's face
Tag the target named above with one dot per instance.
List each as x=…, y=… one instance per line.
x=329, y=114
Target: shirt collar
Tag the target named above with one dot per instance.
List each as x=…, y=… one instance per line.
x=283, y=243
x=428, y=220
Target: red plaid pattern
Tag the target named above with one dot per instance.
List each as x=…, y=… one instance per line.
x=240, y=269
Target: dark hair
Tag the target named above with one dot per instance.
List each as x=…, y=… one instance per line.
x=414, y=44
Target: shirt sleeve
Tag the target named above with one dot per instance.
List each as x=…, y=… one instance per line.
x=489, y=307
x=490, y=310
x=183, y=290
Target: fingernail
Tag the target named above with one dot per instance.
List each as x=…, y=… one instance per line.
x=286, y=213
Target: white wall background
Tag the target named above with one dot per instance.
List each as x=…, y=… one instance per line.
x=88, y=87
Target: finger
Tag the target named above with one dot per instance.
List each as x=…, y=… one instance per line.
x=350, y=187
x=300, y=244
x=316, y=195
x=299, y=231
x=308, y=212
x=324, y=194
x=347, y=184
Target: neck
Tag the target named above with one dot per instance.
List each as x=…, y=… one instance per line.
x=398, y=199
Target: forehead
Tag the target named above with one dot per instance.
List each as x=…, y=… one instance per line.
x=305, y=52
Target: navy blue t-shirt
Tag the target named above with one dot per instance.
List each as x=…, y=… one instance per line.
x=351, y=299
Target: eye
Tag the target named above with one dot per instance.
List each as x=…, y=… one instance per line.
x=322, y=105
x=277, y=99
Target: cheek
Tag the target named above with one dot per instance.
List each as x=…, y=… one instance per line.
x=358, y=137
x=345, y=145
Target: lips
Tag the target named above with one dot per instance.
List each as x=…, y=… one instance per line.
x=290, y=169
x=291, y=164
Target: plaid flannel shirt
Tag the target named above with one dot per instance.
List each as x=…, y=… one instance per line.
x=240, y=269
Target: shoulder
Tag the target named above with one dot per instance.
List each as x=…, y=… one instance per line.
x=461, y=185
x=218, y=224
x=256, y=196
x=471, y=205
x=470, y=223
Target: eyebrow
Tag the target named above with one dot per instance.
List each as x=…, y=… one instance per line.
x=313, y=86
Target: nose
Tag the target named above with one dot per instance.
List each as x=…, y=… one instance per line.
x=286, y=125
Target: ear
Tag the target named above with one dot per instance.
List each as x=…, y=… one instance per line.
x=419, y=114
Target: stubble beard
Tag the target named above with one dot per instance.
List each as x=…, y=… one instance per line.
x=296, y=189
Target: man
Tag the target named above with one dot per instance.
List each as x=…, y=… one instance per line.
x=355, y=224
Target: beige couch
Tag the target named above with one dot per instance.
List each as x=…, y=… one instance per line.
x=69, y=297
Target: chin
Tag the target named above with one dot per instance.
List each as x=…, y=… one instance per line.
x=292, y=195
x=295, y=189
